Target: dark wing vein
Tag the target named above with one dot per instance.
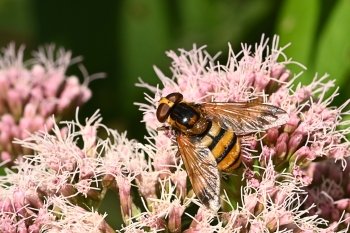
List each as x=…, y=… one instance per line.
x=202, y=171
x=245, y=118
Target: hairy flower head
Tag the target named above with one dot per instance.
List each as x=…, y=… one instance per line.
x=65, y=175
x=60, y=185
x=271, y=177
x=32, y=91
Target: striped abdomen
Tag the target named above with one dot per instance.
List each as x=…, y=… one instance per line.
x=224, y=145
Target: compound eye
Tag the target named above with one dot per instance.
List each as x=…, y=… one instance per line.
x=163, y=112
x=175, y=97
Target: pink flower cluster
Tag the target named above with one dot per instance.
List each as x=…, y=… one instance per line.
x=311, y=133
x=59, y=187
x=32, y=91
x=328, y=195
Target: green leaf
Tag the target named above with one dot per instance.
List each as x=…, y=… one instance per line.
x=17, y=16
x=215, y=23
x=333, y=51
x=297, y=23
x=143, y=36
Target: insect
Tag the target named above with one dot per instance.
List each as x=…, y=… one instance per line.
x=207, y=137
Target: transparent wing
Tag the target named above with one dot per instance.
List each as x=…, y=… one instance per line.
x=245, y=118
x=202, y=171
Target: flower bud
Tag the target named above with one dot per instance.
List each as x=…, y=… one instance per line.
x=250, y=77
x=295, y=141
x=266, y=154
x=69, y=94
x=275, y=73
x=4, y=86
x=47, y=108
x=286, y=218
x=302, y=157
x=6, y=205
x=281, y=147
x=35, y=227
x=105, y=227
x=89, y=134
x=67, y=190
x=154, y=222
x=34, y=200
x=197, y=219
x=292, y=123
x=271, y=136
x=250, y=202
x=25, y=126
x=18, y=202
x=174, y=222
x=38, y=123
x=148, y=184
x=53, y=84
x=21, y=227
x=255, y=183
x=284, y=77
x=347, y=218
x=38, y=71
x=29, y=110
x=303, y=94
x=271, y=222
x=343, y=204
x=15, y=103
x=261, y=81
x=125, y=198
x=277, y=70
x=84, y=96
x=255, y=227
x=5, y=156
x=94, y=195
x=180, y=179
x=248, y=161
x=107, y=181
x=260, y=205
x=279, y=197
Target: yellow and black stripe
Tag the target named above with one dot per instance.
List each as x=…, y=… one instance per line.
x=224, y=145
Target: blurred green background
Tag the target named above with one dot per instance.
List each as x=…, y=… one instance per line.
x=126, y=38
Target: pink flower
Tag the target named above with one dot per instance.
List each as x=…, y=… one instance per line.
x=61, y=182
x=272, y=197
x=31, y=94
x=328, y=194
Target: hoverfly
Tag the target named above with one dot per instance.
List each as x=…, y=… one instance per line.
x=206, y=134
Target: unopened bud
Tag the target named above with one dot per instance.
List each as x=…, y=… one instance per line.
x=292, y=124
x=174, y=222
x=303, y=157
x=295, y=141
x=271, y=136
x=124, y=197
